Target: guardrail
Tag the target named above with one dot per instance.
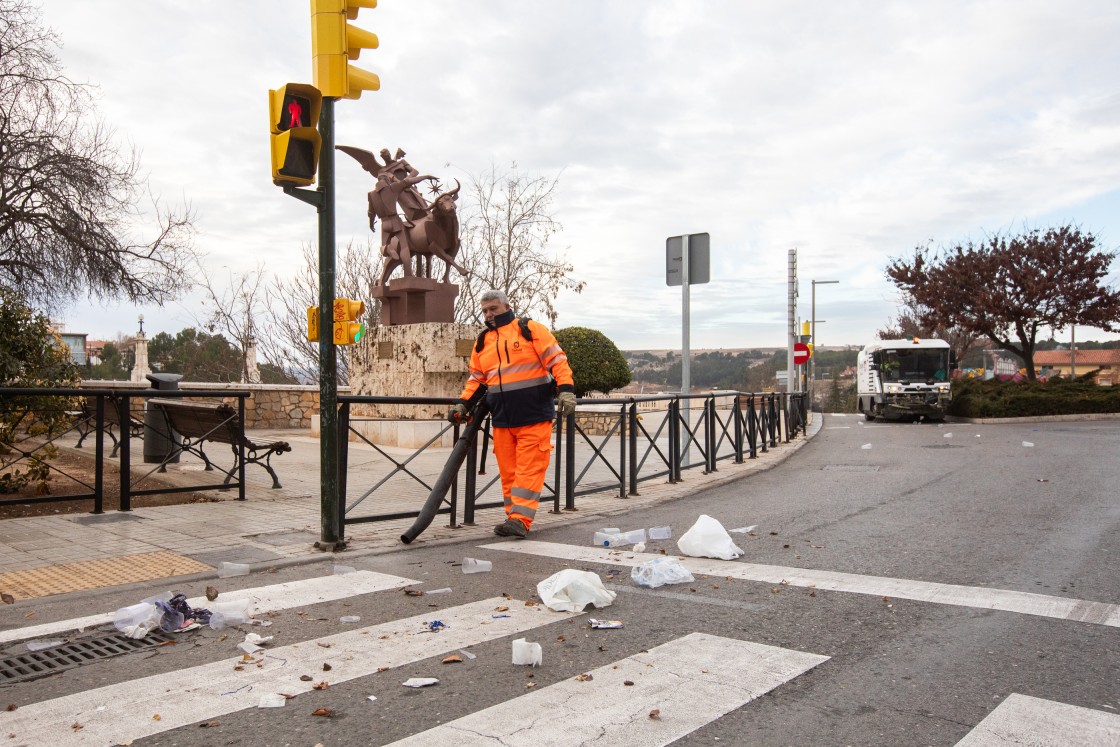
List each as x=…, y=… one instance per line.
x=67, y=410
x=611, y=444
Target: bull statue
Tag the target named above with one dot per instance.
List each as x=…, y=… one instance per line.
x=425, y=231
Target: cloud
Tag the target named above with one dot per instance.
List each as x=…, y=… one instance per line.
x=851, y=131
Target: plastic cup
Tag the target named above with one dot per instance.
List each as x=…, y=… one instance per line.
x=660, y=533
x=233, y=569
x=471, y=565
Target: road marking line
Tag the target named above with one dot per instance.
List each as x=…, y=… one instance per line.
x=263, y=599
x=1021, y=719
x=691, y=681
x=129, y=707
x=1077, y=610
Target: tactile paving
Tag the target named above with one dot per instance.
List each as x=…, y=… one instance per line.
x=97, y=574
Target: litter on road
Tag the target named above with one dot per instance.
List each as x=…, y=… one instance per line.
x=708, y=539
x=571, y=591
x=526, y=653
x=420, y=682
x=660, y=571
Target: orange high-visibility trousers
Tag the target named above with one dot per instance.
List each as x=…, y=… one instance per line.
x=523, y=454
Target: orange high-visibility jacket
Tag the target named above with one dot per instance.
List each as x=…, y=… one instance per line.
x=518, y=373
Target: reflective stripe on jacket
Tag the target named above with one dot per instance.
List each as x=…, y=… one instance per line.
x=516, y=374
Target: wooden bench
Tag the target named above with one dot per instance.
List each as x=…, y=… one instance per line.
x=198, y=422
x=87, y=422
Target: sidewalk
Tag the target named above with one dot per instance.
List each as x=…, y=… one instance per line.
x=47, y=555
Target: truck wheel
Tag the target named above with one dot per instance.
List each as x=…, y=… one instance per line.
x=868, y=417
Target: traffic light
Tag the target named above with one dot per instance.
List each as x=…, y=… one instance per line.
x=313, y=324
x=334, y=42
x=347, y=328
x=293, y=112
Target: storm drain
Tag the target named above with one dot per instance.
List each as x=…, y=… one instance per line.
x=36, y=664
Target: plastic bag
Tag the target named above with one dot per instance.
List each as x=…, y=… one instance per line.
x=137, y=620
x=660, y=571
x=526, y=653
x=708, y=539
x=571, y=591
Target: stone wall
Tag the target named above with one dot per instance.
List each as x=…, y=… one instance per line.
x=270, y=406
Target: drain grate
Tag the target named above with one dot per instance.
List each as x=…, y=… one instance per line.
x=36, y=664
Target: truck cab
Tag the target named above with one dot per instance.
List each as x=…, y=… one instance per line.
x=905, y=378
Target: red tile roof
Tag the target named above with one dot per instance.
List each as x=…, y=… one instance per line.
x=1082, y=358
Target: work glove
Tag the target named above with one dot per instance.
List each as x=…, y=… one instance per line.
x=457, y=414
x=566, y=403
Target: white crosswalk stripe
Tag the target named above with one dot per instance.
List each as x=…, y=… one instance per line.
x=689, y=681
x=116, y=713
x=1021, y=719
x=261, y=599
x=1077, y=610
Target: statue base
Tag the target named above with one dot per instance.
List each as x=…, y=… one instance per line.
x=409, y=360
x=415, y=300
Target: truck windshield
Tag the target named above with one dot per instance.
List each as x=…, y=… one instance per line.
x=915, y=365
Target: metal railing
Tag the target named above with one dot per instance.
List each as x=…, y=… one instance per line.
x=610, y=444
x=27, y=443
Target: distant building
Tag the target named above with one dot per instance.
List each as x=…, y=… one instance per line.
x=1058, y=363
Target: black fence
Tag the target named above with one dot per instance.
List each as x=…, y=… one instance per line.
x=36, y=419
x=612, y=444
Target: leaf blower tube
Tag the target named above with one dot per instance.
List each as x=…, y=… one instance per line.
x=443, y=484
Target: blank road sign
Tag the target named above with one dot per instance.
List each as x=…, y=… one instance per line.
x=698, y=259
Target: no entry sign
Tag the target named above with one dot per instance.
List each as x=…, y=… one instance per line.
x=800, y=353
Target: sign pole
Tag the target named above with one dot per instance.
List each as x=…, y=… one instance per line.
x=686, y=373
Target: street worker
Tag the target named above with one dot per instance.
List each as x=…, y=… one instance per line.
x=521, y=365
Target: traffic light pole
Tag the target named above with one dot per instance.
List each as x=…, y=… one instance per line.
x=330, y=501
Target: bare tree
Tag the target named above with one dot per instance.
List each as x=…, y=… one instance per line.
x=69, y=199
x=909, y=323
x=505, y=245
x=357, y=269
x=236, y=310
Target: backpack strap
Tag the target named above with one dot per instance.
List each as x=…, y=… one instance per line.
x=523, y=322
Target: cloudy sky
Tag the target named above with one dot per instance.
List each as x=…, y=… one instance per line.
x=851, y=131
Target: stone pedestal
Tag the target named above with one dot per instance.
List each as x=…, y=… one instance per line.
x=140, y=369
x=408, y=360
x=413, y=300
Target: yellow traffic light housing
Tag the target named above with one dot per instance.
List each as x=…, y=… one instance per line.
x=334, y=43
x=293, y=112
x=347, y=329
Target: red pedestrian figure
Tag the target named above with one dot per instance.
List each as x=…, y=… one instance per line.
x=295, y=114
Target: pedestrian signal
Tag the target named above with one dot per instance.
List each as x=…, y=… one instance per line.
x=347, y=329
x=293, y=111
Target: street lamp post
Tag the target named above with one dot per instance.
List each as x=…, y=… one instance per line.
x=813, y=335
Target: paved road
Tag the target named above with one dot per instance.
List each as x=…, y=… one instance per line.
x=905, y=584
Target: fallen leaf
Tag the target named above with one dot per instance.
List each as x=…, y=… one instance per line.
x=209, y=724
x=628, y=683
x=775, y=590
x=503, y=608
x=383, y=669
x=76, y=726
x=530, y=685
x=322, y=712
x=812, y=593
x=29, y=614
x=326, y=667
x=773, y=534
x=453, y=659
x=320, y=686
x=12, y=706
x=155, y=717
x=414, y=592
x=785, y=582
x=715, y=586
x=886, y=599
x=246, y=657
x=211, y=593
x=530, y=603
x=655, y=714
x=785, y=547
x=8, y=598
x=584, y=677
x=325, y=645
x=507, y=596
x=560, y=638
x=239, y=668
x=305, y=678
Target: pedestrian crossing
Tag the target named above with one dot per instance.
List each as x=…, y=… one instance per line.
x=1062, y=608
x=652, y=697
